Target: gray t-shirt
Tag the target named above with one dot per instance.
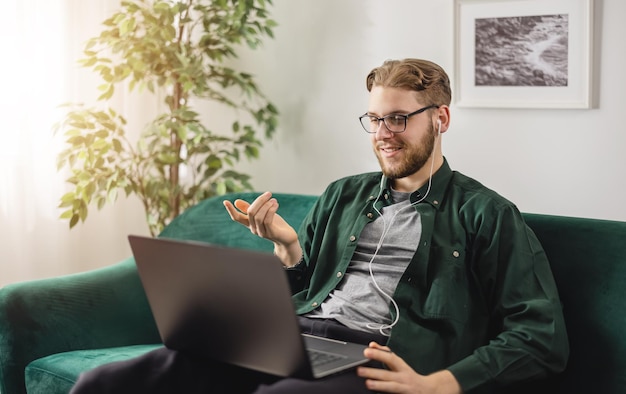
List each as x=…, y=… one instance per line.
x=357, y=302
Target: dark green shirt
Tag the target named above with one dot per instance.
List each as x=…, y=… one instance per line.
x=478, y=297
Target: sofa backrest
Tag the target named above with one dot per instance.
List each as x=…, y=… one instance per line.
x=588, y=259
x=208, y=221
x=587, y=256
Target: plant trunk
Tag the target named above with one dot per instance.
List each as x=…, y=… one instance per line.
x=175, y=141
x=176, y=144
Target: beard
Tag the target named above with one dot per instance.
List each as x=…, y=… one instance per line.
x=414, y=158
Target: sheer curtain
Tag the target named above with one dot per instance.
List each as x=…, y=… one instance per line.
x=41, y=41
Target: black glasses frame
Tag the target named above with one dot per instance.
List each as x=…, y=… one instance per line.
x=384, y=119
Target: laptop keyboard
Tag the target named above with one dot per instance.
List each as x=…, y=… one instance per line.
x=318, y=357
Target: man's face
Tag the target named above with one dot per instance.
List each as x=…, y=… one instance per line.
x=401, y=154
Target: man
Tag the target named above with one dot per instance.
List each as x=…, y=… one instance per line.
x=438, y=273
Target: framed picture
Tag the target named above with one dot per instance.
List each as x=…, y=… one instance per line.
x=523, y=53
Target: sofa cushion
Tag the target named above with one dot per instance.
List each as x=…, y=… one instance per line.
x=58, y=373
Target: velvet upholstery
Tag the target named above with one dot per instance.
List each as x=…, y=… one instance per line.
x=53, y=329
x=588, y=260
x=97, y=309
x=209, y=221
x=59, y=371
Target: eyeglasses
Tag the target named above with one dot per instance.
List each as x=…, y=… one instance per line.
x=395, y=123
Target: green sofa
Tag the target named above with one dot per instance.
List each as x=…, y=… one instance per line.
x=53, y=329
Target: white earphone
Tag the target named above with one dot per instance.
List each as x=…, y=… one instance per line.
x=382, y=328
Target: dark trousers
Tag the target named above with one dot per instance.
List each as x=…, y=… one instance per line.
x=168, y=371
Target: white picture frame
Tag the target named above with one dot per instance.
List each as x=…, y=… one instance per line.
x=523, y=53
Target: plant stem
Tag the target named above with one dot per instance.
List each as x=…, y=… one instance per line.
x=176, y=144
x=175, y=141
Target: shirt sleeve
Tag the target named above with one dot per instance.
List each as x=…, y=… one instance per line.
x=295, y=275
x=529, y=339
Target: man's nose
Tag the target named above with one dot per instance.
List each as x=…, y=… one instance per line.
x=382, y=131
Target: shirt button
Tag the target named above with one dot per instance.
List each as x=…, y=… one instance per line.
x=314, y=304
x=456, y=253
x=339, y=274
x=386, y=196
x=370, y=215
x=436, y=202
x=371, y=198
x=352, y=238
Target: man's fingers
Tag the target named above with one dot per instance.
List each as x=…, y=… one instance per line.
x=235, y=213
x=261, y=221
x=258, y=216
x=242, y=206
x=376, y=345
x=257, y=204
x=374, y=373
x=383, y=356
x=380, y=380
x=390, y=359
x=230, y=208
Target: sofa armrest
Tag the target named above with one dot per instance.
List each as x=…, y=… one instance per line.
x=95, y=309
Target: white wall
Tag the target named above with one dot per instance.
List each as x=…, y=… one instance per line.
x=563, y=162
x=555, y=161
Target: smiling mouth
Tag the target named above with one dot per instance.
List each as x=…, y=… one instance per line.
x=390, y=149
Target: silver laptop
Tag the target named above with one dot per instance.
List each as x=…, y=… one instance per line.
x=234, y=306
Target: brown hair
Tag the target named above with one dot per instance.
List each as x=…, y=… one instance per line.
x=426, y=78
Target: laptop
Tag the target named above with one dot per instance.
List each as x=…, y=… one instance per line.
x=234, y=306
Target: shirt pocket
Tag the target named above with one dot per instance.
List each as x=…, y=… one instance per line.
x=447, y=285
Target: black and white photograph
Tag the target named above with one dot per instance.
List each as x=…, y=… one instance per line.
x=522, y=51
x=523, y=54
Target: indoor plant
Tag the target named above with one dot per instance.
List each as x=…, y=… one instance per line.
x=180, y=50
